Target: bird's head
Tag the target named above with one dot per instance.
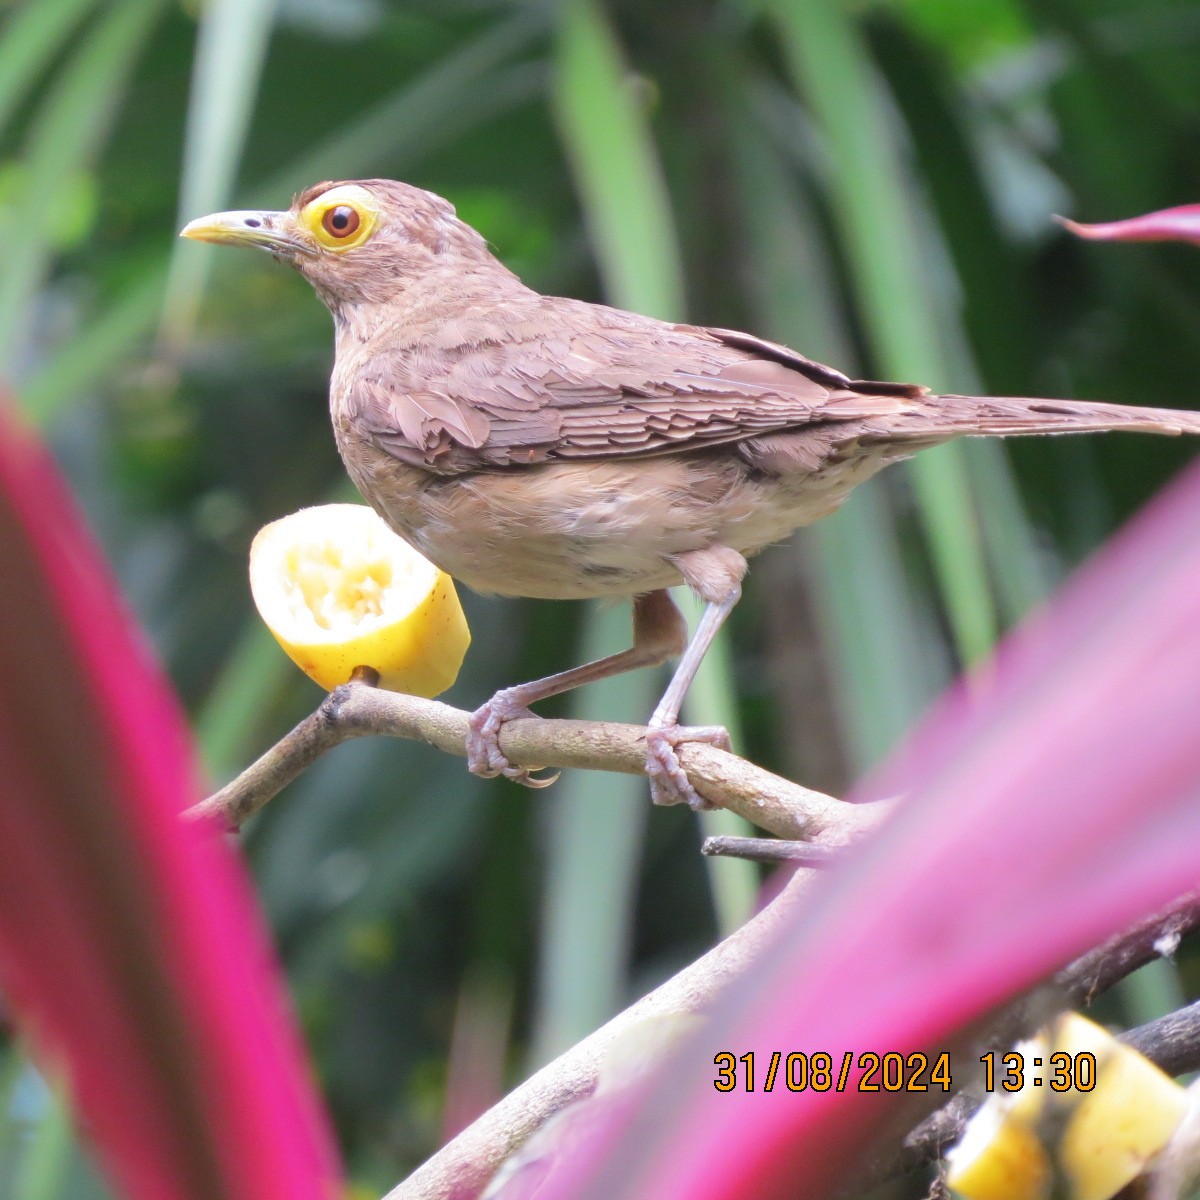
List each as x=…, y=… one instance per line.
x=357, y=241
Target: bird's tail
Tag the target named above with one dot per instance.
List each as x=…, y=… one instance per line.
x=943, y=417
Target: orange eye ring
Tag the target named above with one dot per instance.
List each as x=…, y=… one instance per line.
x=341, y=221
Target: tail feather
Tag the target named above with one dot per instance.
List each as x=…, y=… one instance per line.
x=943, y=417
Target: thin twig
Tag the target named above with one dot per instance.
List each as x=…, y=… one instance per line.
x=769, y=850
x=1171, y=1042
x=357, y=710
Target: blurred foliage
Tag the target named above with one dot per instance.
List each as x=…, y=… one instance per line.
x=871, y=182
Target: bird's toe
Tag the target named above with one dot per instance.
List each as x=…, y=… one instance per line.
x=669, y=783
x=484, y=756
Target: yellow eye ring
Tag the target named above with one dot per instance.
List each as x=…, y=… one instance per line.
x=342, y=218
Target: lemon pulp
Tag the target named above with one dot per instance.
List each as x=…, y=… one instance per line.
x=340, y=590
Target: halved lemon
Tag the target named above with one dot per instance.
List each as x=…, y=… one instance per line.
x=340, y=590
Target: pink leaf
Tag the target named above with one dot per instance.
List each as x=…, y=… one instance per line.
x=1181, y=224
x=128, y=939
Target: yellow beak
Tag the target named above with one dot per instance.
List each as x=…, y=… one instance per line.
x=273, y=231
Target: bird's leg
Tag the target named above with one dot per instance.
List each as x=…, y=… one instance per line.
x=659, y=633
x=715, y=574
x=668, y=783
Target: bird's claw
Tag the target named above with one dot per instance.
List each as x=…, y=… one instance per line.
x=484, y=756
x=669, y=783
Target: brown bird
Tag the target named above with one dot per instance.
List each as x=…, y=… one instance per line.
x=539, y=446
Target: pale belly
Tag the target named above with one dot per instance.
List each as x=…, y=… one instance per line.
x=596, y=529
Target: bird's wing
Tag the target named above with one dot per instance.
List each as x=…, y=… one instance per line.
x=595, y=383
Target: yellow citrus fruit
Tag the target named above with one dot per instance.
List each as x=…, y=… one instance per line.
x=340, y=590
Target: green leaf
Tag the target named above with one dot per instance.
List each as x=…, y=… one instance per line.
x=230, y=50
x=29, y=41
x=879, y=218
x=607, y=140
x=43, y=1168
x=885, y=657
x=468, y=87
x=65, y=137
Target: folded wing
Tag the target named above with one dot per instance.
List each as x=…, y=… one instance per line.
x=593, y=383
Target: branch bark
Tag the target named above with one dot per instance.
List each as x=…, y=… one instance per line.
x=769, y=850
x=357, y=710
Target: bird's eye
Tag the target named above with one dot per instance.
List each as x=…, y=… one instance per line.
x=341, y=218
x=341, y=221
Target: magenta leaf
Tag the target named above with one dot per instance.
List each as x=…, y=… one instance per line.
x=1181, y=224
x=128, y=939
x=1048, y=804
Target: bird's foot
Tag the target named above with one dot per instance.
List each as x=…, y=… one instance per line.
x=668, y=782
x=484, y=756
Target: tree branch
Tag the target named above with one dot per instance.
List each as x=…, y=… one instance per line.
x=464, y=1165
x=357, y=710
x=792, y=812
x=1171, y=1042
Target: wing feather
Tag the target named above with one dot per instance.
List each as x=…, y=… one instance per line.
x=578, y=381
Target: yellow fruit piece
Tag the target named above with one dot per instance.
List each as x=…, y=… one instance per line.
x=340, y=590
x=1082, y=1144
x=1000, y=1157
x=1120, y=1125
